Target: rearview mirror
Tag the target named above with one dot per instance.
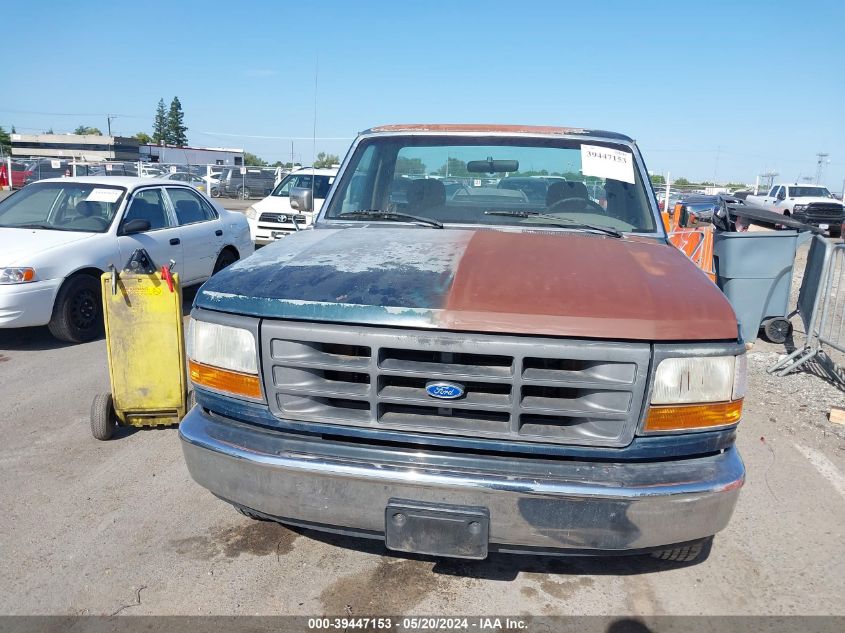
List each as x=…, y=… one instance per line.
x=136, y=226
x=491, y=166
x=301, y=199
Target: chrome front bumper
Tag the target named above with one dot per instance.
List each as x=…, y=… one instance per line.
x=534, y=505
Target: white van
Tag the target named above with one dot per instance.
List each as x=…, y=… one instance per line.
x=272, y=218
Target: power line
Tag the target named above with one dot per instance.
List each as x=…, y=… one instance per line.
x=92, y=114
x=277, y=138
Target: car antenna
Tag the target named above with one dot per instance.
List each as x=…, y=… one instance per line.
x=314, y=132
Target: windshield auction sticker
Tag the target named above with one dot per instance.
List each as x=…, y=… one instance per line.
x=603, y=162
x=104, y=195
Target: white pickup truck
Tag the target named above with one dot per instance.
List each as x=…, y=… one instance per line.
x=807, y=203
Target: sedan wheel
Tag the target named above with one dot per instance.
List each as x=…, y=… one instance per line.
x=224, y=260
x=77, y=313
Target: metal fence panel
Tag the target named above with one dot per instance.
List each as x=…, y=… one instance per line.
x=832, y=323
x=821, y=305
x=811, y=284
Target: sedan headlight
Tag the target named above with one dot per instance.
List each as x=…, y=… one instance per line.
x=251, y=213
x=16, y=275
x=697, y=392
x=223, y=358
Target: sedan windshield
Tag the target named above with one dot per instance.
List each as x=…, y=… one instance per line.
x=62, y=206
x=508, y=181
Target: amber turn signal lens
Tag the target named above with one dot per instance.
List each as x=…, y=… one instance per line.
x=232, y=382
x=688, y=417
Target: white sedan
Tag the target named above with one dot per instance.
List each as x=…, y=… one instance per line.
x=58, y=236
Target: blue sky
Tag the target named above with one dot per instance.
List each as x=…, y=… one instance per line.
x=717, y=88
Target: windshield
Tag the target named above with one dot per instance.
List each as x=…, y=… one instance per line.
x=322, y=184
x=460, y=180
x=70, y=206
x=809, y=192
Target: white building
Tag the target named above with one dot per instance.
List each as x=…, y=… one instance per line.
x=191, y=155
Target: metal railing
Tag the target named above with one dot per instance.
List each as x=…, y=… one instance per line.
x=821, y=305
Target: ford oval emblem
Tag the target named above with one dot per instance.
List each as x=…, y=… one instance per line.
x=444, y=390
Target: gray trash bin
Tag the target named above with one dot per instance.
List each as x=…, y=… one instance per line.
x=754, y=270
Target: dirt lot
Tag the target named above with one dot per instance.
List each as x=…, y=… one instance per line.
x=119, y=527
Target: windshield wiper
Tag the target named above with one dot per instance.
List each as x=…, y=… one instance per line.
x=391, y=216
x=29, y=226
x=556, y=220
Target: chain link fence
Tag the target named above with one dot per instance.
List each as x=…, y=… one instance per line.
x=217, y=181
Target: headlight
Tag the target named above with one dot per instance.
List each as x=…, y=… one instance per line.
x=251, y=213
x=223, y=358
x=16, y=275
x=696, y=393
x=799, y=207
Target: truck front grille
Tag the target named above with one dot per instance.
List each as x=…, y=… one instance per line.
x=525, y=389
x=820, y=211
x=281, y=218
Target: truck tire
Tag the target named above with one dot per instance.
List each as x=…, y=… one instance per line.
x=103, y=418
x=77, y=312
x=687, y=553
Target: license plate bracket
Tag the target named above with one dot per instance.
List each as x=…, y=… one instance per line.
x=824, y=227
x=437, y=529
x=277, y=235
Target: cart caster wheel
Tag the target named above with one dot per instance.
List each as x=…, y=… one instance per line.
x=103, y=418
x=776, y=330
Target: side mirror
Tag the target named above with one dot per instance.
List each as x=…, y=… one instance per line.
x=301, y=199
x=135, y=226
x=688, y=219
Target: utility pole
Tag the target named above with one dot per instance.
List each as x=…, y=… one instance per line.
x=716, y=166
x=108, y=121
x=769, y=179
x=821, y=156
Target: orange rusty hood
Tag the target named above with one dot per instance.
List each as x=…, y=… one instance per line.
x=555, y=283
x=584, y=286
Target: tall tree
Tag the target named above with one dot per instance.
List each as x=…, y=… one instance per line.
x=160, y=124
x=176, y=124
x=326, y=160
x=253, y=160
x=5, y=141
x=88, y=131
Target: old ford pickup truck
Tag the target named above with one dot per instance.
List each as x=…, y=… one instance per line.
x=458, y=373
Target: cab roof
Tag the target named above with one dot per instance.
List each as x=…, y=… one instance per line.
x=488, y=128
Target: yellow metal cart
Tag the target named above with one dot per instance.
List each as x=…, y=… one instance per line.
x=146, y=352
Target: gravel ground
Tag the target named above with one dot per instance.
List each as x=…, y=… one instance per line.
x=93, y=527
